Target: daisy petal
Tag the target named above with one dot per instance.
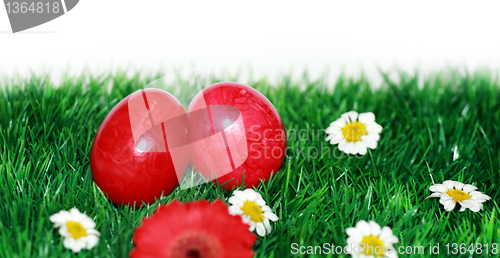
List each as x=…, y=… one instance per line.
x=250, y=194
x=252, y=226
x=235, y=201
x=479, y=197
x=434, y=195
x=355, y=147
x=374, y=128
x=271, y=216
x=366, y=118
x=267, y=225
x=339, y=123
x=354, y=234
x=438, y=188
x=449, y=205
x=350, y=116
x=92, y=241
x=363, y=227
x=63, y=231
x=387, y=236
x=343, y=146
x=60, y=218
x=469, y=188
x=374, y=227
x=472, y=205
x=239, y=194
x=233, y=210
x=92, y=231
x=261, y=230
x=459, y=185
x=449, y=184
x=362, y=150
x=391, y=252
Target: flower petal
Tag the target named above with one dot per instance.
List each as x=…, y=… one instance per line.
x=362, y=150
x=92, y=241
x=235, y=201
x=252, y=225
x=336, y=140
x=233, y=210
x=355, y=147
x=343, y=146
x=334, y=130
x=449, y=184
x=449, y=205
x=479, y=197
x=240, y=194
x=267, y=225
x=459, y=185
x=363, y=227
x=87, y=222
x=261, y=230
x=74, y=245
x=367, y=117
x=75, y=214
x=354, y=234
x=271, y=216
x=250, y=194
x=60, y=218
x=337, y=124
x=438, y=188
x=387, y=236
x=93, y=232
x=472, y=205
x=63, y=231
x=434, y=195
x=391, y=252
x=374, y=128
x=374, y=228
x=369, y=142
x=350, y=116
x=469, y=188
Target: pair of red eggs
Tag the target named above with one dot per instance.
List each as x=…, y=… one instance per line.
x=230, y=132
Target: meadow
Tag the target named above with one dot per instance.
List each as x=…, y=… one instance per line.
x=445, y=126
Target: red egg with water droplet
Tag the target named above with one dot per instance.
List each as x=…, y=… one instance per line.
x=235, y=132
x=141, y=148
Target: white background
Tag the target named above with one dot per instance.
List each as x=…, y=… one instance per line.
x=272, y=37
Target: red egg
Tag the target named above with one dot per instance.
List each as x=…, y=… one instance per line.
x=141, y=148
x=235, y=130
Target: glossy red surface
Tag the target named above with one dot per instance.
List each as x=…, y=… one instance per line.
x=251, y=131
x=134, y=173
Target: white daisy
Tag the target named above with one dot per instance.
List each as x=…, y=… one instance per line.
x=453, y=192
x=77, y=229
x=253, y=209
x=367, y=240
x=354, y=133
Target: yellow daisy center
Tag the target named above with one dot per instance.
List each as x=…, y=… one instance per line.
x=458, y=195
x=372, y=246
x=76, y=229
x=254, y=210
x=353, y=131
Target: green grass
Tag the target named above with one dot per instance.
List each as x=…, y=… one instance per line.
x=46, y=133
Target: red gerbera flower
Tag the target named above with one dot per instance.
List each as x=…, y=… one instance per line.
x=197, y=229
